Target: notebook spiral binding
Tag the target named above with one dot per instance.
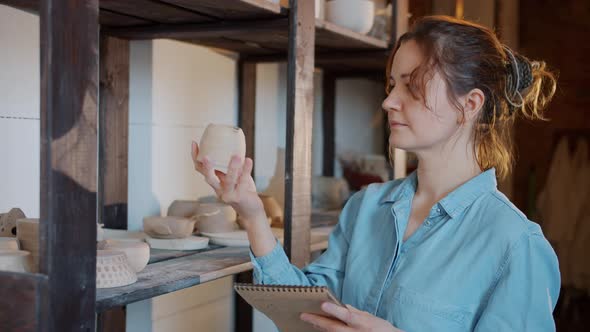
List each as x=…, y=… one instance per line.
x=280, y=288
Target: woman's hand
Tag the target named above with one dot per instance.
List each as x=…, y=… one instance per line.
x=236, y=188
x=347, y=319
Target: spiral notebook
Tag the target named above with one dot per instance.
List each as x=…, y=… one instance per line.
x=284, y=304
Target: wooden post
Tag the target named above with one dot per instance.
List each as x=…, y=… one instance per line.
x=69, y=91
x=113, y=132
x=247, y=110
x=243, y=318
x=329, y=122
x=299, y=130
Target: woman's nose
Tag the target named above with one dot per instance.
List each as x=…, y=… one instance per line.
x=391, y=102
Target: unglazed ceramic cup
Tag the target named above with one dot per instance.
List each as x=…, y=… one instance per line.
x=113, y=269
x=219, y=143
x=138, y=253
x=356, y=15
x=168, y=227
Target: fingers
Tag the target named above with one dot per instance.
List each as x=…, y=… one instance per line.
x=194, y=151
x=207, y=170
x=344, y=314
x=322, y=323
x=234, y=171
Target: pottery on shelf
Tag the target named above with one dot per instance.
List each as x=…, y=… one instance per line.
x=8, y=222
x=356, y=15
x=138, y=253
x=219, y=143
x=27, y=232
x=272, y=209
x=113, y=269
x=328, y=192
x=14, y=260
x=214, y=222
x=188, y=243
x=182, y=208
x=8, y=243
x=168, y=227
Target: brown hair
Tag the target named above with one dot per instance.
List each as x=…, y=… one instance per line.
x=470, y=56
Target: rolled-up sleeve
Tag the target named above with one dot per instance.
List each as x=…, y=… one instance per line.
x=527, y=289
x=328, y=270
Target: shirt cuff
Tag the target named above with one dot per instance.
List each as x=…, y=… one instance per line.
x=270, y=267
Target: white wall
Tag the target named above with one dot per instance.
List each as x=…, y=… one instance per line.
x=175, y=90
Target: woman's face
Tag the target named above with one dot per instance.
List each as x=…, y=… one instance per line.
x=414, y=126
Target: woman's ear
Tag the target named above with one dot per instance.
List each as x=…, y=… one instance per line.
x=473, y=103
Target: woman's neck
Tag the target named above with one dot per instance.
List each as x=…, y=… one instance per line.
x=441, y=172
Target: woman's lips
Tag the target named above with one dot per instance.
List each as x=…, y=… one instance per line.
x=395, y=124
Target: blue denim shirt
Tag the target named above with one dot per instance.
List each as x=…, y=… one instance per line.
x=475, y=264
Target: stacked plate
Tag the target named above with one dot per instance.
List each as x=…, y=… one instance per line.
x=113, y=269
x=27, y=231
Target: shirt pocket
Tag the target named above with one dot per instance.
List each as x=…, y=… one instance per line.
x=414, y=312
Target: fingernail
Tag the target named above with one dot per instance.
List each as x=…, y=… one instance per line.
x=304, y=317
x=328, y=306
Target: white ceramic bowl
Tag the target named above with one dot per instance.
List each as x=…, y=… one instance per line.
x=113, y=269
x=356, y=15
x=168, y=227
x=219, y=143
x=138, y=253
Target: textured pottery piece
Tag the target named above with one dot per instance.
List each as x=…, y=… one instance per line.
x=138, y=253
x=188, y=243
x=168, y=227
x=215, y=217
x=8, y=222
x=272, y=209
x=219, y=143
x=181, y=208
x=28, y=237
x=8, y=243
x=356, y=15
x=113, y=269
x=14, y=260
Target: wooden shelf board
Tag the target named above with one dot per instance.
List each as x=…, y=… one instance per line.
x=172, y=270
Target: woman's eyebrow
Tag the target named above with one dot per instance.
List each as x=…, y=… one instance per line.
x=402, y=76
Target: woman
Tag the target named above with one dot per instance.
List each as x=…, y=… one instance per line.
x=443, y=249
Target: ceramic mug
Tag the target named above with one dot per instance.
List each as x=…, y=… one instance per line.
x=219, y=143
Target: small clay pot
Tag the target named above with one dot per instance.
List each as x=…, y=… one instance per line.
x=14, y=260
x=8, y=222
x=272, y=209
x=168, y=227
x=181, y=208
x=219, y=143
x=138, y=252
x=27, y=231
x=8, y=243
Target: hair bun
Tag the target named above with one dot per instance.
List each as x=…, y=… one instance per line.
x=519, y=77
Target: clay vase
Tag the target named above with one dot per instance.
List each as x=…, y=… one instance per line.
x=113, y=269
x=137, y=252
x=180, y=208
x=272, y=209
x=168, y=227
x=219, y=143
x=27, y=231
x=8, y=222
x=8, y=243
x=14, y=260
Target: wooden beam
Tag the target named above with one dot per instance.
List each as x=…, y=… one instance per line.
x=300, y=96
x=22, y=303
x=69, y=92
x=202, y=30
x=113, y=131
x=247, y=97
x=112, y=320
x=329, y=123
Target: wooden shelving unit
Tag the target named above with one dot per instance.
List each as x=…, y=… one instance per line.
x=61, y=297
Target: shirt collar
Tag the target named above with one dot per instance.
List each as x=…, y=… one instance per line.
x=457, y=200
